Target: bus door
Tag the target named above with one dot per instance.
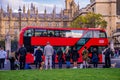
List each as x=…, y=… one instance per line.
x=27, y=40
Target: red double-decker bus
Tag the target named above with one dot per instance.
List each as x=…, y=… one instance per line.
x=32, y=37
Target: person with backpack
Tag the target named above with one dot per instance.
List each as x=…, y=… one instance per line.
x=22, y=56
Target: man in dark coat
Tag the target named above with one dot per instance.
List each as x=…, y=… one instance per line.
x=107, y=54
x=60, y=57
x=22, y=53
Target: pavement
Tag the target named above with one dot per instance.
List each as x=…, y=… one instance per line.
x=113, y=61
x=117, y=61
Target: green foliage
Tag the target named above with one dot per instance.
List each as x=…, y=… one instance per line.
x=104, y=24
x=90, y=20
x=62, y=74
x=2, y=43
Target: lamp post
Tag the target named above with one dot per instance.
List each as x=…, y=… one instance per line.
x=19, y=11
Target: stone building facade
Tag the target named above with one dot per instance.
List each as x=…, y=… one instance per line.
x=110, y=11
x=11, y=22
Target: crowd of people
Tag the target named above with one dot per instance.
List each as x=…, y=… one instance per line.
x=18, y=59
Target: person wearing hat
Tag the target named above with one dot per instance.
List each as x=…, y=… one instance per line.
x=38, y=56
x=48, y=52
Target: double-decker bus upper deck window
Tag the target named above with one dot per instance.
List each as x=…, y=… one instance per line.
x=89, y=34
x=57, y=33
x=73, y=33
x=102, y=34
x=96, y=34
x=62, y=33
x=51, y=33
x=76, y=33
x=99, y=34
x=68, y=34
x=65, y=33
x=29, y=32
x=40, y=32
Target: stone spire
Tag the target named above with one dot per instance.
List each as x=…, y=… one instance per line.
x=32, y=9
x=1, y=12
x=54, y=11
x=32, y=5
x=8, y=8
x=61, y=13
x=23, y=8
x=28, y=12
x=45, y=11
x=78, y=6
x=36, y=11
x=10, y=11
x=67, y=3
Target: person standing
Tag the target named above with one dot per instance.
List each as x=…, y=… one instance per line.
x=107, y=54
x=75, y=56
x=3, y=55
x=48, y=52
x=38, y=57
x=53, y=59
x=12, y=60
x=68, y=57
x=60, y=57
x=95, y=58
x=85, y=57
x=22, y=53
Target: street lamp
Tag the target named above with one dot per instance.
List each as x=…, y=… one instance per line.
x=19, y=11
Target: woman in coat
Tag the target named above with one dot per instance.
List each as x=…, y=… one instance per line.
x=38, y=57
x=95, y=58
x=75, y=56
